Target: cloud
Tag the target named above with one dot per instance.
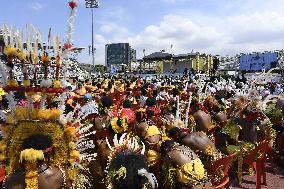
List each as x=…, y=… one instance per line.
x=106, y=28
x=35, y=5
x=116, y=30
x=241, y=31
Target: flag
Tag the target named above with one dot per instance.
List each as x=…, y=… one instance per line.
x=113, y=69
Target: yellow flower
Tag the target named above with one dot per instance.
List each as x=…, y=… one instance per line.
x=2, y=157
x=26, y=83
x=152, y=157
x=165, y=137
x=56, y=84
x=35, y=114
x=72, y=145
x=70, y=132
x=10, y=119
x=2, y=146
x=2, y=92
x=75, y=154
x=36, y=59
x=180, y=123
x=13, y=83
x=46, y=115
x=31, y=178
x=31, y=155
x=54, y=114
x=45, y=58
x=210, y=150
x=31, y=93
x=22, y=113
x=21, y=55
x=119, y=125
x=58, y=60
x=141, y=110
x=10, y=51
x=5, y=129
x=31, y=174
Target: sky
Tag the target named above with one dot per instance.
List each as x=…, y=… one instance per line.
x=223, y=27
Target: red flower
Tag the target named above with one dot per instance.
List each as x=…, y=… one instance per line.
x=67, y=46
x=72, y=4
x=201, y=107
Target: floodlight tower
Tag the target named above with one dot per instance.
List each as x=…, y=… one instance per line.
x=92, y=4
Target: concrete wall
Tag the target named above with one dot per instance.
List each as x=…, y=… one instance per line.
x=257, y=61
x=166, y=67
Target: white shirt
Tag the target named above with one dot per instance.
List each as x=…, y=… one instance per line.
x=143, y=100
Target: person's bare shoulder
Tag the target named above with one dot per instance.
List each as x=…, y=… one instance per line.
x=15, y=181
x=51, y=178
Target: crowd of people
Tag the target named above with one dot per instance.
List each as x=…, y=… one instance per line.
x=160, y=132
x=127, y=132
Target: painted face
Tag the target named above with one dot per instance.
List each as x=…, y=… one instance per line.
x=152, y=140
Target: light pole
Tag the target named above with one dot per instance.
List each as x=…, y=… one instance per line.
x=91, y=4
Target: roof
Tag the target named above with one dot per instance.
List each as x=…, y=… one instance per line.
x=158, y=56
x=187, y=55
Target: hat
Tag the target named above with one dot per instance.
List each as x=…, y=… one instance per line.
x=88, y=96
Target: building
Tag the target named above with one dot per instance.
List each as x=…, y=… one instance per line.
x=119, y=54
x=280, y=58
x=166, y=63
x=132, y=54
x=258, y=61
x=202, y=62
x=2, y=44
x=229, y=63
